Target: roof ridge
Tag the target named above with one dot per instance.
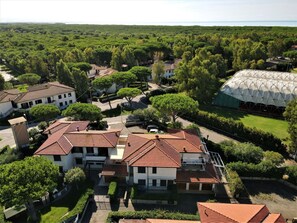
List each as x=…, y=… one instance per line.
x=141, y=154
x=167, y=154
x=107, y=140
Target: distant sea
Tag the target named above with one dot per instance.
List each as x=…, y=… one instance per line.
x=234, y=23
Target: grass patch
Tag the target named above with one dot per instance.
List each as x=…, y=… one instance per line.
x=275, y=126
x=68, y=206
x=22, y=88
x=115, y=112
x=266, y=197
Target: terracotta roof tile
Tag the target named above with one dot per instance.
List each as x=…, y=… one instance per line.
x=207, y=176
x=239, y=213
x=274, y=218
x=114, y=170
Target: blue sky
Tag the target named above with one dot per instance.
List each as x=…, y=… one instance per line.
x=146, y=12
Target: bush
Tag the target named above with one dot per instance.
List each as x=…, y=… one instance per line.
x=112, y=189
x=274, y=157
x=245, y=152
x=175, y=125
x=133, y=192
x=235, y=184
x=115, y=216
x=237, y=130
x=291, y=171
x=109, y=97
x=42, y=126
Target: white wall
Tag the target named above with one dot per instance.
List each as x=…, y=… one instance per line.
x=162, y=174
x=5, y=108
x=66, y=161
x=55, y=99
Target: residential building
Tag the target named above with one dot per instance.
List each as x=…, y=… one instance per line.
x=48, y=93
x=169, y=68
x=71, y=144
x=155, y=161
x=237, y=213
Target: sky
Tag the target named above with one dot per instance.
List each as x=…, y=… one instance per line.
x=146, y=12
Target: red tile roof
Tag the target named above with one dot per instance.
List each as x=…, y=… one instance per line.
x=274, y=218
x=207, y=176
x=114, y=170
x=160, y=150
x=237, y=213
x=64, y=136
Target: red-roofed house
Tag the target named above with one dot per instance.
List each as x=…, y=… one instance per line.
x=71, y=144
x=156, y=161
x=237, y=213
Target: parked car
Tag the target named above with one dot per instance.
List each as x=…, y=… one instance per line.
x=149, y=127
x=133, y=120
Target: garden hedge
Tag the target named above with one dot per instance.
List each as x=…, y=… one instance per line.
x=237, y=130
x=115, y=216
x=235, y=183
x=112, y=189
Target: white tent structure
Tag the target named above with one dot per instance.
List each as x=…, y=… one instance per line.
x=259, y=87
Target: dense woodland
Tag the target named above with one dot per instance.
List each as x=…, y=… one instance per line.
x=207, y=53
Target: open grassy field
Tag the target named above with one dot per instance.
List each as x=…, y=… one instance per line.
x=277, y=127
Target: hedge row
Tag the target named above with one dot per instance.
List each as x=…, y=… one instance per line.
x=264, y=169
x=109, y=97
x=235, y=183
x=112, y=189
x=235, y=129
x=115, y=216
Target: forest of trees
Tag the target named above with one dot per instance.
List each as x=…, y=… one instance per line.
x=65, y=52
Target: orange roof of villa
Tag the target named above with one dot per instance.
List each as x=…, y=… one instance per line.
x=237, y=213
x=161, y=150
x=63, y=136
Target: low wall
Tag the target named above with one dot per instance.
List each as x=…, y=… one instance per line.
x=138, y=201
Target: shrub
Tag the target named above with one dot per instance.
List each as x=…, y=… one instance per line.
x=115, y=216
x=236, y=129
x=274, y=157
x=133, y=192
x=291, y=171
x=236, y=186
x=175, y=125
x=42, y=126
x=112, y=189
x=245, y=152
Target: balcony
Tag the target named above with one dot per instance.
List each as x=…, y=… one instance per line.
x=200, y=161
x=95, y=158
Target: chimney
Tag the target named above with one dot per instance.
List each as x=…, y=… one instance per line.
x=157, y=137
x=77, y=128
x=185, y=149
x=129, y=144
x=49, y=132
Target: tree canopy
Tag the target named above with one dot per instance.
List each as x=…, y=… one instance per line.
x=291, y=116
x=2, y=82
x=64, y=75
x=129, y=94
x=123, y=78
x=21, y=182
x=44, y=112
x=158, y=70
x=174, y=104
x=142, y=73
x=81, y=84
x=75, y=176
x=83, y=111
x=29, y=78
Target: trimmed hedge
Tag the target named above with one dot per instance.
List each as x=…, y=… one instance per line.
x=235, y=129
x=106, y=98
x=115, y=216
x=112, y=189
x=235, y=183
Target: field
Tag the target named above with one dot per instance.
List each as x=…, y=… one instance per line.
x=277, y=127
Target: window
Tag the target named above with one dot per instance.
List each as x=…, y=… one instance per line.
x=66, y=103
x=30, y=104
x=154, y=183
x=61, y=104
x=141, y=182
x=24, y=105
x=78, y=161
x=163, y=183
x=64, y=95
x=90, y=150
x=57, y=158
x=154, y=169
x=77, y=150
x=70, y=102
x=60, y=96
x=69, y=94
x=38, y=101
x=141, y=169
x=60, y=169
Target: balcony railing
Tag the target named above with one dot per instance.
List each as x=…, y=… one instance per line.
x=95, y=158
x=200, y=161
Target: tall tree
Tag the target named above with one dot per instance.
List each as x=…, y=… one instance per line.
x=129, y=94
x=64, y=75
x=104, y=84
x=21, y=182
x=102, y=56
x=123, y=78
x=116, y=59
x=142, y=73
x=128, y=57
x=174, y=104
x=291, y=116
x=83, y=111
x=81, y=84
x=2, y=82
x=29, y=78
x=275, y=48
x=158, y=70
x=44, y=112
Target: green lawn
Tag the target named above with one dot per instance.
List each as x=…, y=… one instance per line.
x=67, y=206
x=277, y=127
